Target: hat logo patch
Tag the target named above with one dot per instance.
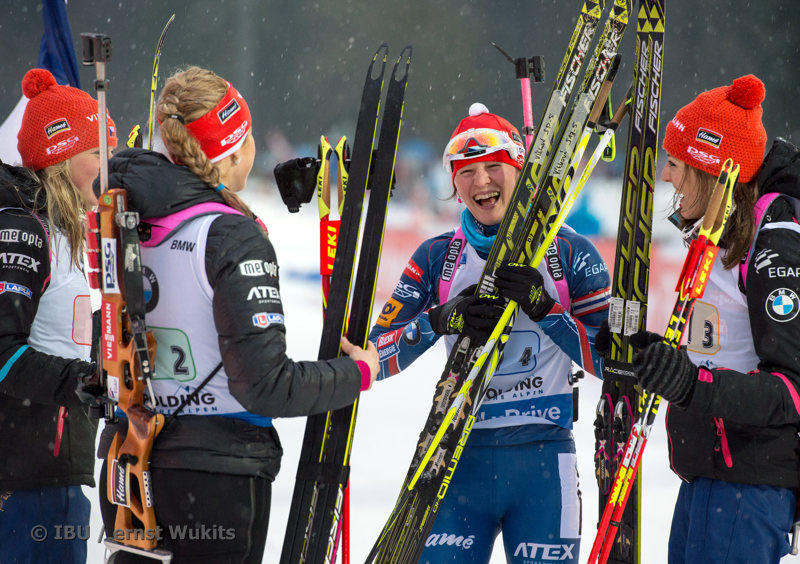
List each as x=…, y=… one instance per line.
x=702, y=156
x=225, y=113
x=678, y=124
x=710, y=137
x=62, y=146
x=56, y=126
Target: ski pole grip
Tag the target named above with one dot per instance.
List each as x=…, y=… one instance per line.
x=537, y=68
x=605, y=90
x=619, y=114
x=96, y=48
x=714, y=202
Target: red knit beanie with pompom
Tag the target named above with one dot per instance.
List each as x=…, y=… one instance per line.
x=480, y=118
x=719, y=124
x=59, y=122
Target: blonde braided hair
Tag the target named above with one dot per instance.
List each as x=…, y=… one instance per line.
x=190, y=94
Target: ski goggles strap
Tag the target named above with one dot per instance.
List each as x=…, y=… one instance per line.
x=475, y=143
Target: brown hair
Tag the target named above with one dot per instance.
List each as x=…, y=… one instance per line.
x=65, y=207
x=741, y=225
x=191, y=94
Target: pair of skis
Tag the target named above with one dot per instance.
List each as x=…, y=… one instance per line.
x=619, y=400
x=528, y=227
x=691, y=285
x=313, y=527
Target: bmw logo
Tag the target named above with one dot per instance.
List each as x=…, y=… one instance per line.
x=150, y=289
x=782, y=305
x=411, y=335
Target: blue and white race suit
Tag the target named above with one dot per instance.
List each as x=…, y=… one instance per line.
x=529, y=491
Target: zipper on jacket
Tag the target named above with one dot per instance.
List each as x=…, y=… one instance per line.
x=722, y=440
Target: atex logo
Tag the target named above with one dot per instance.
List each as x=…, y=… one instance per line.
x=707, y=136
x=545, y=552
x=263, y=293
x=56, y=126
x=20, y=261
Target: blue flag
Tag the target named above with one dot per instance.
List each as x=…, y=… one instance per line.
x=57, y=53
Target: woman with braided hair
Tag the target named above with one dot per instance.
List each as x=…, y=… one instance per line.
x=734, y=390
x=214, y=300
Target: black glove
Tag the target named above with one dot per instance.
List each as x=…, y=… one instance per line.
x=466, y=312
x=639, y=340
x=643, y=339
x=666, y=371
x=525, y=285
x=602, y=341
x=89, y=390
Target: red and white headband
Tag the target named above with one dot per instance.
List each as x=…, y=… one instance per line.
x=222, y=130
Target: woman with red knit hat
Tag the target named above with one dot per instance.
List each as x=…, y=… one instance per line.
x=734, y=391
x=46, y=435
x=213, y=303
x=518, y=471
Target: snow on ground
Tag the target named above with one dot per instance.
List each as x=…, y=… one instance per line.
x=391, y=415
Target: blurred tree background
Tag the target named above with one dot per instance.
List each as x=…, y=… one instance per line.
x=301, y=64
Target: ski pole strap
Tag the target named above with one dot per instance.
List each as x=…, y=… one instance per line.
x=189, y=397
x=761, y=207
x=323, y=473
x=451, y=260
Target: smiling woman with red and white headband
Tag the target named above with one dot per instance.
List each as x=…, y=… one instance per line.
x=213, y=300
x=529, y=491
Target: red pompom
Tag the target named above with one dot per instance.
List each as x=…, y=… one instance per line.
x=37, y=81
x=747, y=92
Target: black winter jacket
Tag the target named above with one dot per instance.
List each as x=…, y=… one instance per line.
x=760, y=410
x=260, y=375
x=33, y=385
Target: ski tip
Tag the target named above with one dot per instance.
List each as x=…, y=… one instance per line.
x=405, y=53
x=382, y=53
x=383, y=48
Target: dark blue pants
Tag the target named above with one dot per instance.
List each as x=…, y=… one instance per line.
x=528, y=491
x=44, y=525
x=724, y=523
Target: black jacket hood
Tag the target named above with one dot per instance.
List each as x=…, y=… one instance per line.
x=18, y=187
x=780, y=171
x=156, y=187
